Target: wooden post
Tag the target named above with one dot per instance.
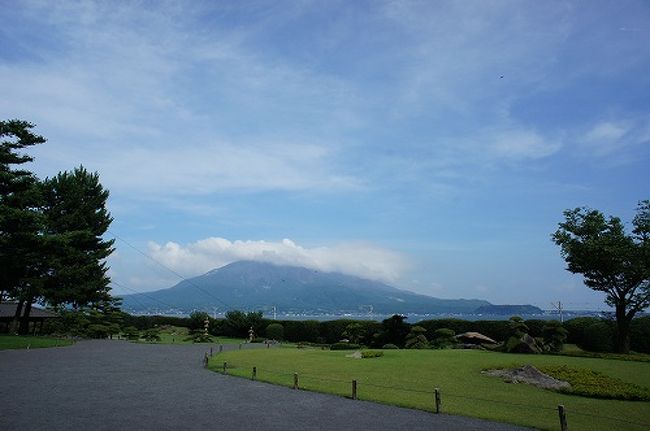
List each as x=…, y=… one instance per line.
x=295, y=380
x=562, y=414
x=239, y=346
x=437, y=396
x=354, y=389
x=254, y=373
x=268, y=345
x=210, y=351
x=220, y=348
x=205, y=360
x=225, y=367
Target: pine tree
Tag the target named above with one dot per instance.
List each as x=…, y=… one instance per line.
x=20, y=220
x=76, y=218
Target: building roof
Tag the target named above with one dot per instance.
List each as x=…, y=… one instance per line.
x=8, y=309
x=476, y=336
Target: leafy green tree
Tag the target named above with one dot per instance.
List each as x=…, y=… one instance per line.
x=237, y=323
x=197, y=320
x=354, y=332
x=610, y=260
x=394, y=330
x=275, y=331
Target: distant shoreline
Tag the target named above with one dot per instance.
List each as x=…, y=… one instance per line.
x=412, y=318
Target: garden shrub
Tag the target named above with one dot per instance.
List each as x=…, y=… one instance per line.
x=98, y=331
x=443, y=337
x=131, y=333
x=365, y=354
x=151, y=335
x=199, y=336
x=416, y=338
x=593, y=384
x=554, y=335
x=389, y=346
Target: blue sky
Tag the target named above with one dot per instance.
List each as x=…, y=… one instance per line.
x=433, y=145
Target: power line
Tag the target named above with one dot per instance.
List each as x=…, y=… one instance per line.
x=141, y=293
x=169, y=269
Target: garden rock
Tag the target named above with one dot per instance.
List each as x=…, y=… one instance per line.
x=530, y=375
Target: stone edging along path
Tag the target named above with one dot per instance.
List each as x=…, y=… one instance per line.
x=116, y=385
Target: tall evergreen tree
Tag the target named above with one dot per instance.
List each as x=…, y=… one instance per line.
x=75, y=219
x=51, y=245
x=20, y=220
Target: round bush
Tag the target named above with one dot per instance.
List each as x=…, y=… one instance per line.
x=275, y=331
x=389, y=346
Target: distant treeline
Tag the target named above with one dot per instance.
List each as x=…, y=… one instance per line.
x=590, y=333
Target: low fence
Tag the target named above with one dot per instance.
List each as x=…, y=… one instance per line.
x=353, y=388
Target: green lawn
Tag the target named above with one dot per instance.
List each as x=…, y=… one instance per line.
x=31, y=342
x=408, y=378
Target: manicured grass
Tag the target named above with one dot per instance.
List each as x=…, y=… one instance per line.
x=31, y=342
x=408, y=378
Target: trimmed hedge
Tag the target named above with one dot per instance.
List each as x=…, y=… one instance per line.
x=593, y=384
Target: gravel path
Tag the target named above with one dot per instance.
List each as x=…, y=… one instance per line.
x=116, y=385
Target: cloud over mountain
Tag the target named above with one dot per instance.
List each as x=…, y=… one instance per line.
x=360, y=259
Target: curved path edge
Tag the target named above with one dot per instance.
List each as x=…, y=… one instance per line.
x=109, y=385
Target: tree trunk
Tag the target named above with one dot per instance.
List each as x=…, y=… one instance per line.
x=622, y=330
x=14, y=323
x=24, y=321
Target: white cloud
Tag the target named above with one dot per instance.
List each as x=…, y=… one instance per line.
x=358, y=259
x=161, y=109
x=519, y=145
x=617, y=140
x=606, y=137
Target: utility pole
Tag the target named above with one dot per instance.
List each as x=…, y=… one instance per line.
x=558, y=307
x=275, y=316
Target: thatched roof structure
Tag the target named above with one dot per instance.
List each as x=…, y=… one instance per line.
x=474, y=338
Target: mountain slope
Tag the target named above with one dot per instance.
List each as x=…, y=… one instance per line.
x=260, y=286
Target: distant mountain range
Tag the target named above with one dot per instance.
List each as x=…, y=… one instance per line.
x=248, y=285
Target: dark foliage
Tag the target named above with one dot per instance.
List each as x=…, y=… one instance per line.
x=640, y=331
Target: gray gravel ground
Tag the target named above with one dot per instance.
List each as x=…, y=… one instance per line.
x=116, y=385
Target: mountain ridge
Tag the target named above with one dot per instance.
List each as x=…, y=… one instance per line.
x=252, y=285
